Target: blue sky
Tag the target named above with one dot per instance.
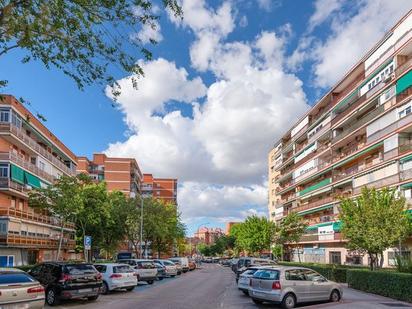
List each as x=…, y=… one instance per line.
x=223, y=85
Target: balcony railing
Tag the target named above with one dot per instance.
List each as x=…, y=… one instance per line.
x=32, y=216
x=9, y=156
x=387, y=181
x=35, y=242
x=406, y=174
x=392, y=127
x=403, y=68
x=314, y=204
x=8, y=127
x=368, y=117
x=349, y=110
x=7, y=183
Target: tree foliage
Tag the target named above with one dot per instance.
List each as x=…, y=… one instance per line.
x=373, y=222
x=82, y=38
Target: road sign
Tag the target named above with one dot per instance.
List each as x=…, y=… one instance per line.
x=87, y=242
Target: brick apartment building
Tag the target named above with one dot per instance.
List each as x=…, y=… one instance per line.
x=358, y=134
x=121, y=174
x=161, y=188
x=30, y=157
x=208, y=236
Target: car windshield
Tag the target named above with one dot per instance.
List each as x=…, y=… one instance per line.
x=147, y=264
x=168, y=263
x=80, y=269
x=267, y=274
x=122, y=269
x=14, y=277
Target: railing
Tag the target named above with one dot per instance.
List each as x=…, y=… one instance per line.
x=8, y=127
x=356, y=169
x=322, y=131
x=349, y=88
x=27, y=165
x=397, y=151
x=387, y=181
x=28, y=241
x=32, y=216
x=310, y=237
x=349, y=110
x=392, y=127
x=313, y=170
x=287, y=199
x=7, y=183
x=368, y=117
x=317, y=203
x=406, y=174
x=403, y=67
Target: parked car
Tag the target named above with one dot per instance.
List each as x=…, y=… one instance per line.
x=170, y=267
x=244, y=262
x=161, y=271
x=146, y=269
x=192, y=264
x=244, y=279
x=67, y=281
x=183, y=261
x=116, y=277
x=179, y=267
x=20, y=290
x=289, y=286
x=225, y=262
x=244, y=268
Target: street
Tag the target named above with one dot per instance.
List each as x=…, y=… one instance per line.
x=212, y=286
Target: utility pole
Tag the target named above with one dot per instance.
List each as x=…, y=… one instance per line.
x=141, y=226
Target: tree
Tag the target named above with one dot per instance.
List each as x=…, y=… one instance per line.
x=373, y=222
x=255, y=234
x=291, y=229
x=61, y=200
x=82, y=38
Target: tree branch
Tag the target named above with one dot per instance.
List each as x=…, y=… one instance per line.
x=4, y=51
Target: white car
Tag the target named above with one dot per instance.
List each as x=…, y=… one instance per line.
x=184, y=261
x=117, y=276
x=170, y=267
x=146, y=269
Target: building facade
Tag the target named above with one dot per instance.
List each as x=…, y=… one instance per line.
x=121, y=174
x=30, y=157
x=160, y=188
x=208, y=236
x=359, y=134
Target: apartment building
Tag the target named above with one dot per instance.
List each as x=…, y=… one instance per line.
x=30, y=157
x=121, y=174
x=208, y=236
x=160, y=188
x=359, y=134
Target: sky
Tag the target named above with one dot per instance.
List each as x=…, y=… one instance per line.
x=223, y=86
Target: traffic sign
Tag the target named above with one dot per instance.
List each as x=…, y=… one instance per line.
x=87, y=242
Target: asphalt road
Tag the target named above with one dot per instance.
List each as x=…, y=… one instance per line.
x=212, y=287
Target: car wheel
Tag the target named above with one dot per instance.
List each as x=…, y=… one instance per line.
x=335, y=296
x=160, y=278
x=104, y=289
x=52, y=298
x=130, y=288
x=173, y=276
x=91, y=298
x=257, y=301
x=289, y=301
x=246, y=292
x=150, y=281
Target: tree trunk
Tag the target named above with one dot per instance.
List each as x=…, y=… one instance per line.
x=60, y=241
x=381, y=260
x=299, y=255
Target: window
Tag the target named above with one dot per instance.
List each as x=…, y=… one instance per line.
x=311, y=275
x=294, y=274
x=4, y=170
x=15, y=278
x=16, y=120
x=100, y=268
x=335, y=257
x=42, y=166
x=3, y=227
x=392, y=255
x=269, y=274
x=122, y=269
x=4, y=115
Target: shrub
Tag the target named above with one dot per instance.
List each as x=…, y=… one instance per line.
x=329, y=271
x=386, y=283
x=403, y=264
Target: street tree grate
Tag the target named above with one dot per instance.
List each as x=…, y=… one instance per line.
x=396, y=305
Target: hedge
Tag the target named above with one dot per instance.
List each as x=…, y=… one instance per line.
x=329, y=271
x=390, y=284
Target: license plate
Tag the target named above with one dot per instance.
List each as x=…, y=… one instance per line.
x=85, y=290
x=258, y=294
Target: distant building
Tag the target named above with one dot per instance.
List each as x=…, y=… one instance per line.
x=208, y=235
x=229, y=225
x=31, y=156
x=160, y=188
x=121, y=174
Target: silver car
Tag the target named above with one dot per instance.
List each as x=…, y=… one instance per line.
x=244, y=279
x=288, y=286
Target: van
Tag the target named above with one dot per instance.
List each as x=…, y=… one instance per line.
x=183, y=261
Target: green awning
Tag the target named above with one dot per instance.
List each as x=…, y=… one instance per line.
x=337, y=226
x=307, y=147
x=315, y=186
x=358, y=155
x=346, y=100
x=404, y=82
x=406, y=185
x=310, y=211
x=17, y=174
x=32, y=180
x=406, y=159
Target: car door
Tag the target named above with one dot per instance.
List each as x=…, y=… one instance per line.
x=319, y=287
x=37, y=272
x=295, y=279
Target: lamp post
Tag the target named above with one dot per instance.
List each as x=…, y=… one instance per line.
x=141, y=226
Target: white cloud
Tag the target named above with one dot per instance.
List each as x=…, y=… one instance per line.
x=150, y=32
x=323, y=10
x=218, y=155
x=353, y=36
x=268, y=5
x=243, y=22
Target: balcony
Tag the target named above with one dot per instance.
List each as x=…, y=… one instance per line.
x=32, y=216
x=387, y=181
x=9, y=156
x=35, y=242
x=30, y=142
x=7, y=183
x=406, y=174
x=349, y=110
x=403, y=68
x=310, y=205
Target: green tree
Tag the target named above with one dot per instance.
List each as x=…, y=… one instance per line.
x=61, y=200
x=373, y=222
x=255, y=234
x=82, y=38
x=290, y=230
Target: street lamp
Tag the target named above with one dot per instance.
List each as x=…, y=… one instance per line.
x=141, y=226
